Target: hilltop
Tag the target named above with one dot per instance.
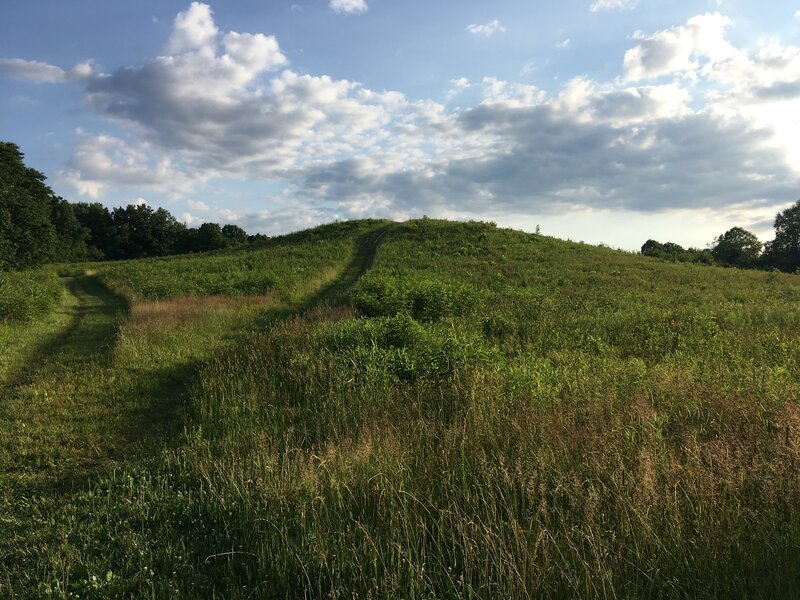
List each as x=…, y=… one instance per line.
x=427, y=409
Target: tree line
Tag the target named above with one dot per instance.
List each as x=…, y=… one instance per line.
x=740, y=248
x=37, y=226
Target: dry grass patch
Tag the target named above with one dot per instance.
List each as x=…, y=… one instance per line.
x=185, y=310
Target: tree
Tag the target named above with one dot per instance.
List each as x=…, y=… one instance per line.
x=235, y=235
x=102, y=240
x=652, y=248
x=737, y=247
x=676, y=253
x=784, y=251
x=209, y=237
x=27, y=235
x=142, y=231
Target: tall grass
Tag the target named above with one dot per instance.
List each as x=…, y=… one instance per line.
x=28, y=295
x=285, y=266
x=496, y=415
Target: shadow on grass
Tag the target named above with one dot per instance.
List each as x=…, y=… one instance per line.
x=87, y=338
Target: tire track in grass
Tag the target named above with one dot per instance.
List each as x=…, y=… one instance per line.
x=39, y=406
x=71, y=411
x=67, y=421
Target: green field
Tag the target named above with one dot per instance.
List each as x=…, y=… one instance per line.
x=426, y=409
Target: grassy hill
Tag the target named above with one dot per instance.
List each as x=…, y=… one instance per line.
x=420, y=410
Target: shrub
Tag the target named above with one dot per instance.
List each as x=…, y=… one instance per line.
x=406, y=349
x=27, y=295
x=425, y=299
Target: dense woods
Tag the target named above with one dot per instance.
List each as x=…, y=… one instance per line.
x=37, y=226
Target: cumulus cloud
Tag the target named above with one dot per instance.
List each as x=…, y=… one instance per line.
x=193, y=29
x=102, y=160
x=349, y=7
x=600, y=5
x=41, y=72
x=680, y=49
x=486, y=29
x=224, y=104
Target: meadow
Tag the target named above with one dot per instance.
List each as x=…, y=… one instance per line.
x=426, y=409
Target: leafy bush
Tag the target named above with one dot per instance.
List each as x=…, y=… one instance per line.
x=405, y=348
x=27, y=295
x=425, y=299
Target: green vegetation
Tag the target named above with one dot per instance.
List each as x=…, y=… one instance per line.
x=740, y=248
x=418, y=410
x=25, y=296
x=38, y=227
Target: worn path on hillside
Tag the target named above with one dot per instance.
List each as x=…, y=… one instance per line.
x=47, y=422
x=78, y=409
x=70, y=410
x=336, y=291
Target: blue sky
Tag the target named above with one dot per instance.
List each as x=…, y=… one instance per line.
x=608, y=121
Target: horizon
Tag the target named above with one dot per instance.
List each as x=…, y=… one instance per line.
x=607, y=121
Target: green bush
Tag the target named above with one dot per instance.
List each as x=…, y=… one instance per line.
x=27, y=295
x=406, y=349
x=424, y=299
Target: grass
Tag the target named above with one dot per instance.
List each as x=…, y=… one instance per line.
x=26, y=296
x=435, y=410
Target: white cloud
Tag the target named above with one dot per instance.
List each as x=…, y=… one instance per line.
x=140, y=202
x=457, y=86
x=487, y=29
x=34, y=70
x=564, y=44
x=797, y=13
x=218, y=106
x=193, y=29
x=198, y=205
x=600, y=5
x=227, y=216
x=101, y=160
x=680, y=50
x=350, y=7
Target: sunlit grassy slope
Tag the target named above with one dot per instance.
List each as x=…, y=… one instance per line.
x=418, y=410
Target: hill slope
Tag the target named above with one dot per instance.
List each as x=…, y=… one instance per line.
x=427, y=409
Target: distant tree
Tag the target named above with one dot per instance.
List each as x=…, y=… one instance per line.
x=652, y=248
x=27, y=234
x=102, y=238
x=189, y=241
x=142, y=231
x=235, y=235
x=676, y=253
x=784, y=251
x=210, y=237
x=257, y=238
x=71, y=236
x=737, y=247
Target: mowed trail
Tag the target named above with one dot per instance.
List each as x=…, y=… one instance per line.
x=53, y=420
x=75, y=408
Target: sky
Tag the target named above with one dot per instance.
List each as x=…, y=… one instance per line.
x=606, y=121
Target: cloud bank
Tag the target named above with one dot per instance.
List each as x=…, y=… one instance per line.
x=692, y=123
